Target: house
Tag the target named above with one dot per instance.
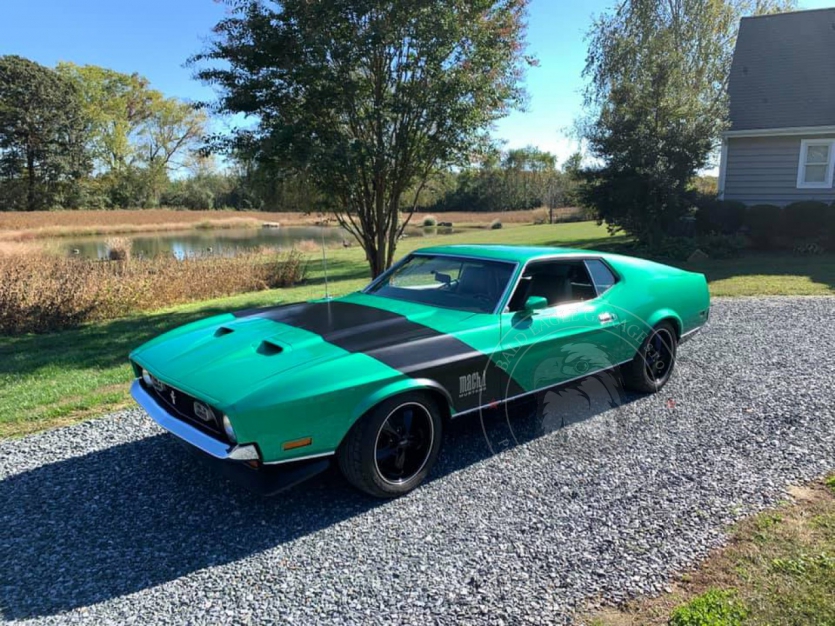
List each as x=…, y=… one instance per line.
x=780, y=147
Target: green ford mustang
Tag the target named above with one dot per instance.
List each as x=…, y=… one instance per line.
x=370, y=378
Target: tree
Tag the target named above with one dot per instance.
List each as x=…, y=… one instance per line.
x=136, y=133
x=42, y=132
x=657, y=87
x=368, y=97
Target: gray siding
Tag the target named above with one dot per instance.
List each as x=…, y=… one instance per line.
x=763, y=170
x=783, y=71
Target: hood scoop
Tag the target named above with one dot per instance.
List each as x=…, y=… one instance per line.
x=223, y=330
x=268, y=348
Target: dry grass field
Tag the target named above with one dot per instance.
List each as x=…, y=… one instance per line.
x=42, y=292
x=24, y=226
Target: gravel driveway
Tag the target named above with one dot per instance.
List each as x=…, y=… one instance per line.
x=110, y=522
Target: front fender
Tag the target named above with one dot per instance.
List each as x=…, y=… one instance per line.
x=396, y=388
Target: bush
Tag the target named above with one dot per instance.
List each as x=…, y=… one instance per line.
x=119, y=248
x=285, y=271
x=42, y=293
x=495, y=224
x=720, y=217
x=712, y=608
x=805, y=220
x=722, y=246
x=429, y=221
x=829, y=229
x=764, y=225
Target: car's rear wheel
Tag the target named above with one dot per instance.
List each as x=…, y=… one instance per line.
x=653, y=364
x=391, y=449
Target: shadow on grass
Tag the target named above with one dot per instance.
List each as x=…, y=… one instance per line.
x=819, y=269
x=106, y=524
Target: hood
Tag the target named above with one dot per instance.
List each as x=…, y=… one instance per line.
x=222, y=358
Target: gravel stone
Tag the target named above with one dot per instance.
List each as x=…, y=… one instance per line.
x=111, y=522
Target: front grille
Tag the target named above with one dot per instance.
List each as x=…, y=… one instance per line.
x=180, y=404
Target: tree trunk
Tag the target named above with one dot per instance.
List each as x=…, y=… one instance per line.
x=31, y=203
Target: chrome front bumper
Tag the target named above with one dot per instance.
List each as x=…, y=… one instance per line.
x=190, y=434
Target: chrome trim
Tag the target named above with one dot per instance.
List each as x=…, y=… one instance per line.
x=499, y=303
x=690, y=333
x=179, y=428
x=299, y=458
x=567, y=256
x=528, y=393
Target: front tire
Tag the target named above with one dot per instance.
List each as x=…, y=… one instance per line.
x=392, y=448
x=653, y=365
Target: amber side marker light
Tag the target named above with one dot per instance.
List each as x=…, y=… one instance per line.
x=297, y=443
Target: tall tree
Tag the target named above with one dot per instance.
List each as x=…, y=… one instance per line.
x=368, y=97
x=117, y=106
x=137, y=135
x=42, y=131
x=657, y=88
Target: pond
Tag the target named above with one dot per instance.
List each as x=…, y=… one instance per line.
x=223, y=242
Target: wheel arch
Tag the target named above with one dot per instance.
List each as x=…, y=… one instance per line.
x=666, y=315
x=425, y=385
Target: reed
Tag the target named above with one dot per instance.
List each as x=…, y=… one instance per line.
x=43, y=293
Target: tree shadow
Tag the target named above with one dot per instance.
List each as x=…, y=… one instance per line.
x=99, y=526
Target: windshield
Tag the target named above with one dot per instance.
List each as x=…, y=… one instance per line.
x=450, y=282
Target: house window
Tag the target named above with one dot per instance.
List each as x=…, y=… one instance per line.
x=816, y=161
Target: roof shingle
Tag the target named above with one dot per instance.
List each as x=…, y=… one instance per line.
x=783, y=71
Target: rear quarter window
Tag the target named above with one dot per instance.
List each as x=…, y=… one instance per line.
x=601, y=275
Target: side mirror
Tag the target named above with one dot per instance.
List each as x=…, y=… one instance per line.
x=534, y=303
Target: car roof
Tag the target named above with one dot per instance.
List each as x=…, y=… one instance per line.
x=504, y=252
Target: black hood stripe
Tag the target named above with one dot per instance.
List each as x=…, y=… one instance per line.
x=411, y=348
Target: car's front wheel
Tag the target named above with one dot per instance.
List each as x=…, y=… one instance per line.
x=390, y=450
x=653, y=364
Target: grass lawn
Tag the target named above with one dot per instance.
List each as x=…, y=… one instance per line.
x=61, y=378
x=779, y=568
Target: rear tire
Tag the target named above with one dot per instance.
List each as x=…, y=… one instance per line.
x=653, y=365
x=392, y=448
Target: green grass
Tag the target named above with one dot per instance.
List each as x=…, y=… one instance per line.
x=60, y=378
x=712, y=608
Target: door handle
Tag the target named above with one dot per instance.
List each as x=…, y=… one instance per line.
x=606, y=317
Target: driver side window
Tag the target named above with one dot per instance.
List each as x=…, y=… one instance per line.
x=559, y=282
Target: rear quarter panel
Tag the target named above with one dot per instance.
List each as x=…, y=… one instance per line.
x=653, y=292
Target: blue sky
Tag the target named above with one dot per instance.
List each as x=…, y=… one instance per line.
x=155, y=37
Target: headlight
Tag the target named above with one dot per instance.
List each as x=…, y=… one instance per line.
x=147, y=378
x=227, y=428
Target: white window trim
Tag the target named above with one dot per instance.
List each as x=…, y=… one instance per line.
x=801, y=166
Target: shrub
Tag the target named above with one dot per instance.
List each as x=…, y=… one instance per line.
x=712, y=608
x=286, y=270
x=119, y=248
x=763, y=222
x=722, y=246
x=805, y=220
x=429, y=221
x=720, y=217
x=829, y=229
x=495, y=224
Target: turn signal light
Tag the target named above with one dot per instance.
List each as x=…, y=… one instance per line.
x=297, y=443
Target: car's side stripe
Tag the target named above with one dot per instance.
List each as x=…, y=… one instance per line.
x=407, y=346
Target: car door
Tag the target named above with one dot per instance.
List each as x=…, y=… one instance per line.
x=575, y=335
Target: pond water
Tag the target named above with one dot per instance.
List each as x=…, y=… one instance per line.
x=224, y=242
